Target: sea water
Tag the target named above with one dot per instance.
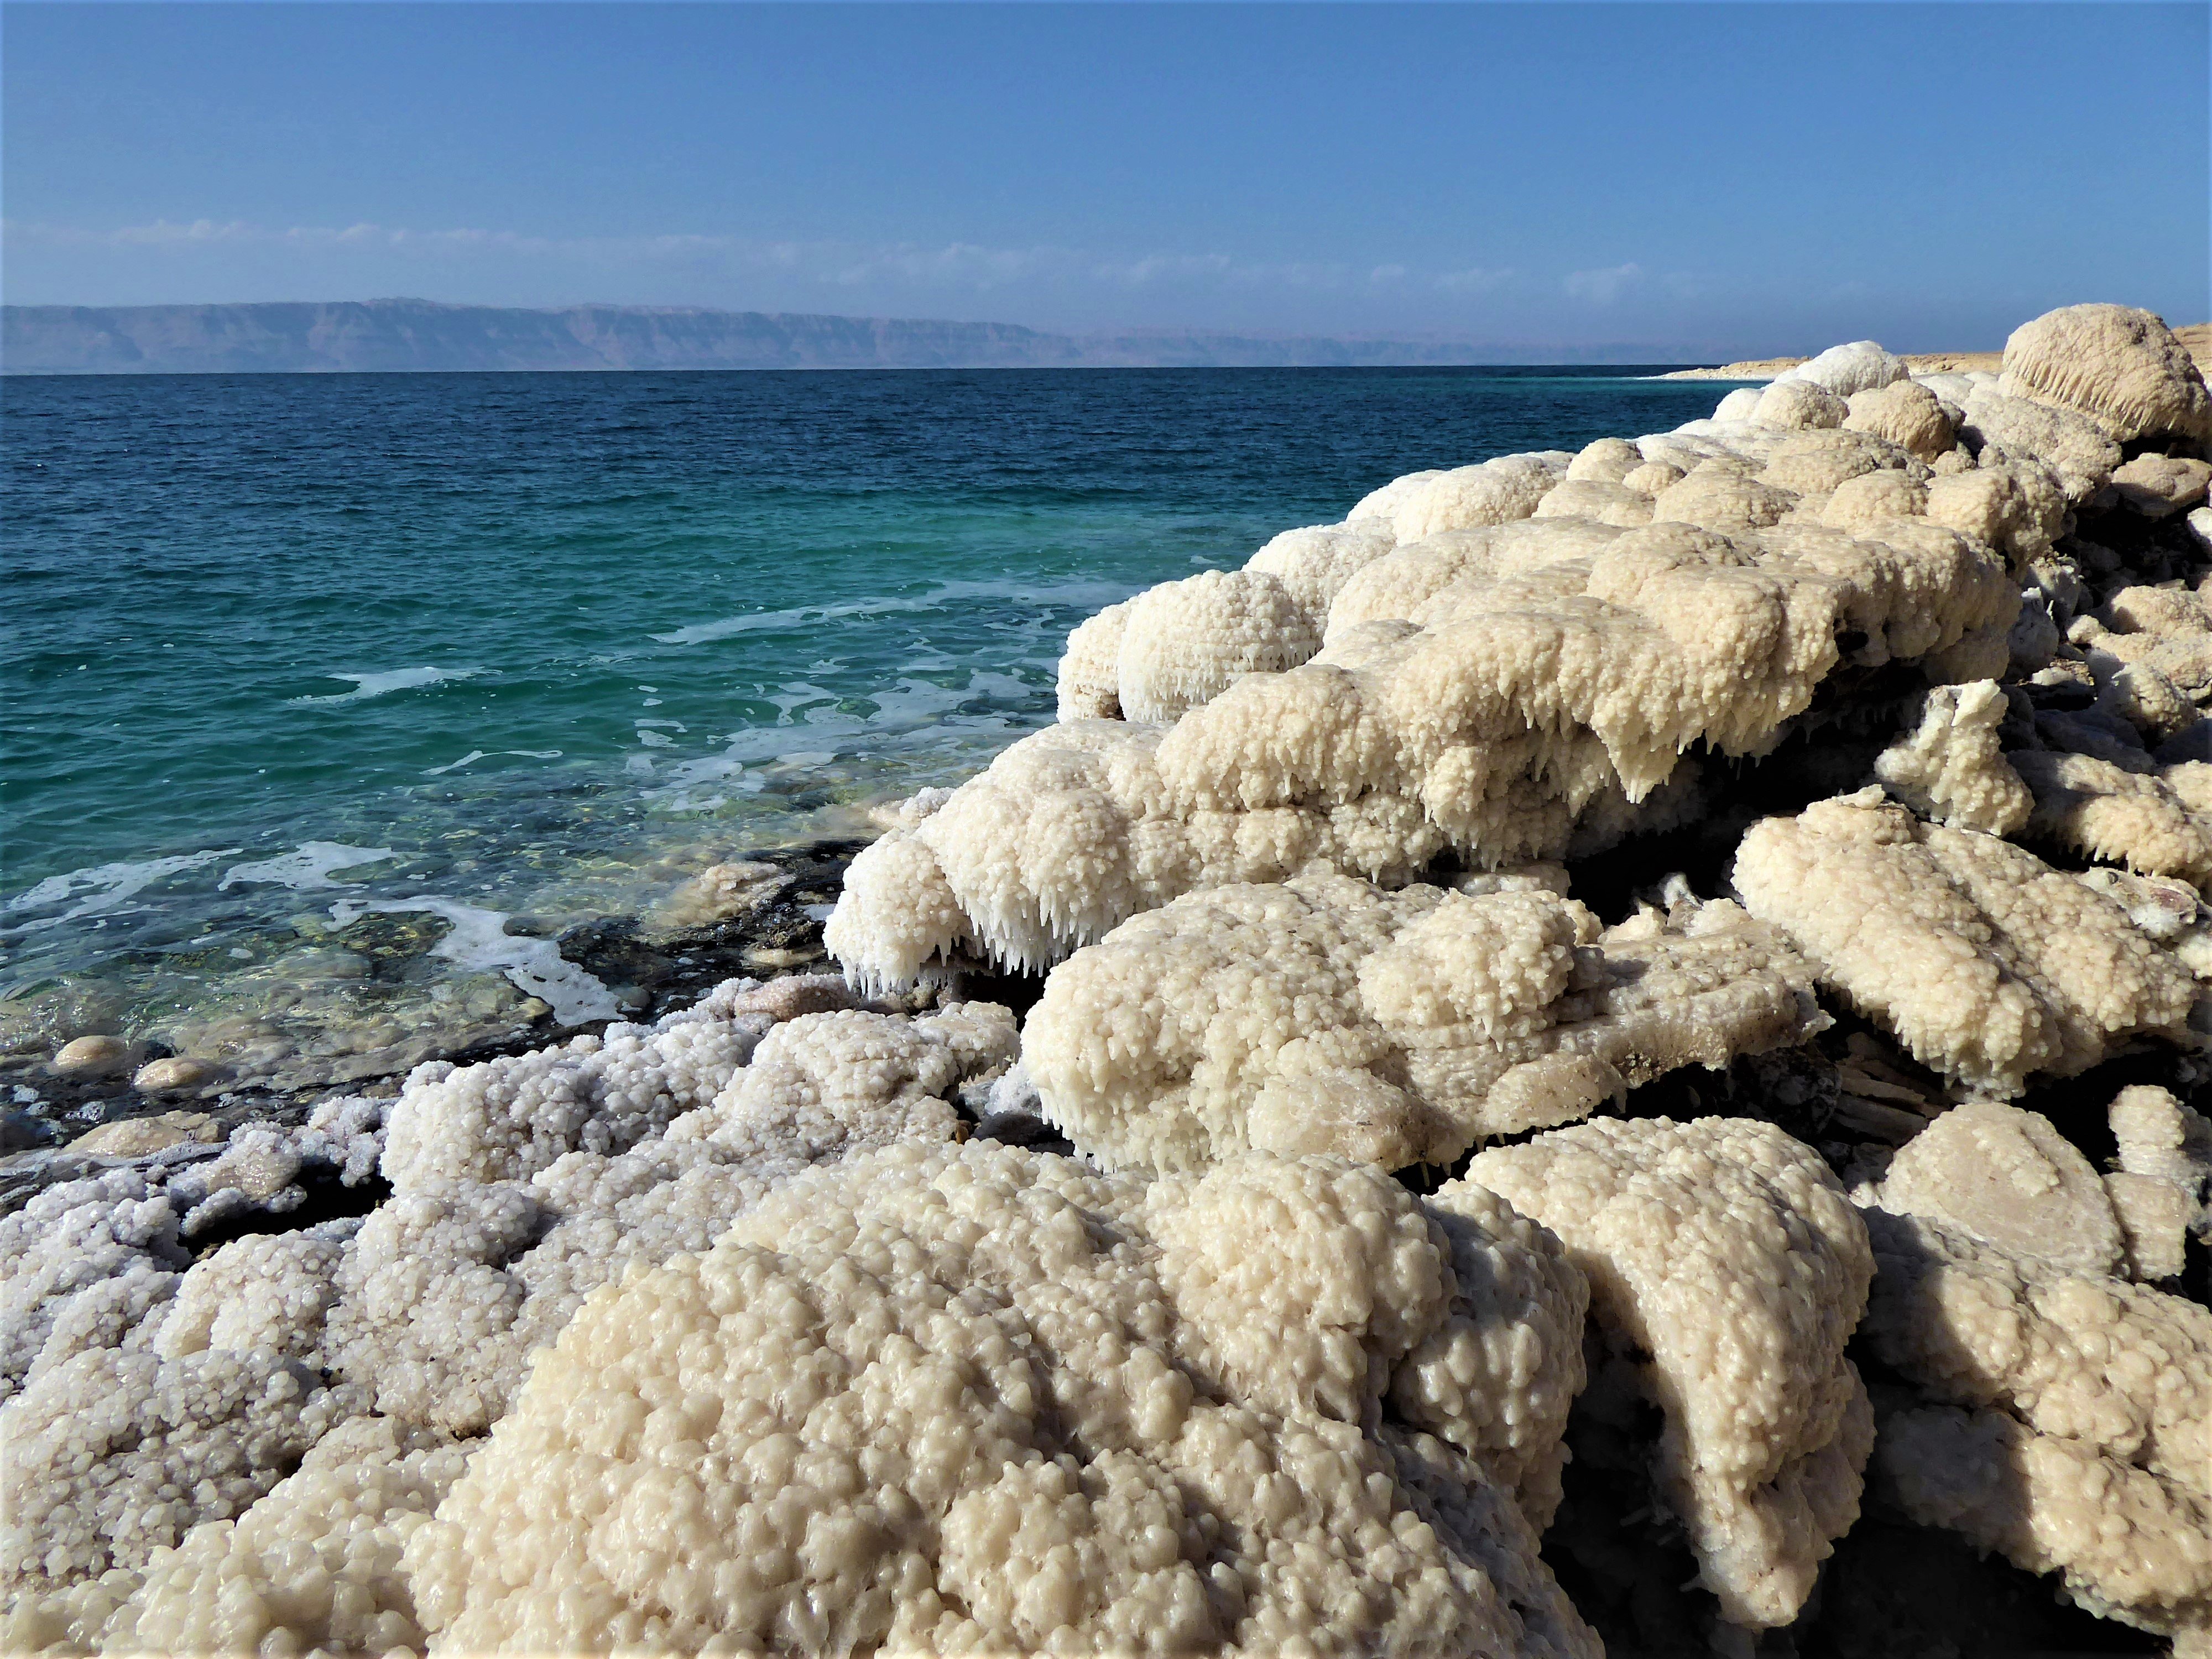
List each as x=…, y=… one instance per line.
x=471, y=657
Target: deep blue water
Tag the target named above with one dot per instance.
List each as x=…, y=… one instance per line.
x=543, y=639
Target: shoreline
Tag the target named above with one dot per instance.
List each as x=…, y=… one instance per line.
x=1768, y=369
x=2196, y=337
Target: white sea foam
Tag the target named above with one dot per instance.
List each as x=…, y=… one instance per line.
x=1078, y=593
x=475, y=755
x=308, y=868
x=479, y=939
x=103, y=888
x=396, y=679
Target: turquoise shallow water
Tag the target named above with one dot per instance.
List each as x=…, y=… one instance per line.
x=541, y=644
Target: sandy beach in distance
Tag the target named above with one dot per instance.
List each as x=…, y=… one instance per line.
x=2198, y=336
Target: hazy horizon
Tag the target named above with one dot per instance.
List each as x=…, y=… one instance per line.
x=402, y=333
x=1693, y=180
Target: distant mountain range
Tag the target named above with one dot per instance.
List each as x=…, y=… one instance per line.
x=417, y=334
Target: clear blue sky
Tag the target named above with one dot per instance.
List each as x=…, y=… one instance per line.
x=1747, y=177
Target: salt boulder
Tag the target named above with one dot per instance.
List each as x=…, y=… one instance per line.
x=2121, y=367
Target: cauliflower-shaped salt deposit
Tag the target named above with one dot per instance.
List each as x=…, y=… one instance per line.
x=81, y=1266
x=1183, y=642
x=972, y=1399
x=1509, y=715
x=316, y=1565
x=2155, y=819
x=1988, y=963
x=2085, y=1445
x=111, y=1453
x=447, y=1290
x=1325, y=1015
x=2158, y=1191
x=1951, y=768
x=506, y=1119
x=1726, y=1270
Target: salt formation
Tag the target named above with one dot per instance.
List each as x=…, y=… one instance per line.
x=2160, y=1191
x=743, y=1330
x=1727, y=1269
x=2074, y=1431
x=1549, y=683
x=316, y=1565
x=450, y=1285
x=2121, y=367
x=2008, y=1178
x=113, y=1452
x=1325, y=1015
x=1951, y=769
x=506, y=1120
x=971, y=1400
x=1989, y=964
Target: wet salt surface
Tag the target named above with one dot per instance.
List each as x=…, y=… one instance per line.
x=334, y=703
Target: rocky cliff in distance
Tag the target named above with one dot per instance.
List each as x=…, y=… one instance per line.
x=418, y=334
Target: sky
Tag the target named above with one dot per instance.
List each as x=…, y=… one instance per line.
x=1745, y=178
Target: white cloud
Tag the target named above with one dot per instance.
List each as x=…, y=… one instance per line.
x=955, y=267
x=1604, y=287
x=1473, y=280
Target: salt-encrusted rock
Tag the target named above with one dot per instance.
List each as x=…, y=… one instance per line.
x=1907, y=415
x=1380, y=507
x=1951, y=768
x=2008, y=1178
x=1525, y=690
x=2158, y=486
x=1653, y=476
x=1325, y=1016
x=1494, y=492
x=1606, y=503
x=1608, y=460
x=1406, y=579
x=81, y=1266
x=506, y=1119
x=2015, y=506
x=2085, y=1446
x=315, y=1565
x=1847, y=370
x=2157, y=820
x=449, y=1286
x=2120, y=366
x=1724, y=496
x=1989, y=964
x=2074, y=447
x=1089, y=675
x=2168, y=630
x=1867, y=501
x=114, y=1454
x=974, y=1399
x=1741, y=404
x=1727, y=1270
x=1314, y=564
x=2160, y=1190
x=266, y=1291
x=1801, y=403
x=1183, y=642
